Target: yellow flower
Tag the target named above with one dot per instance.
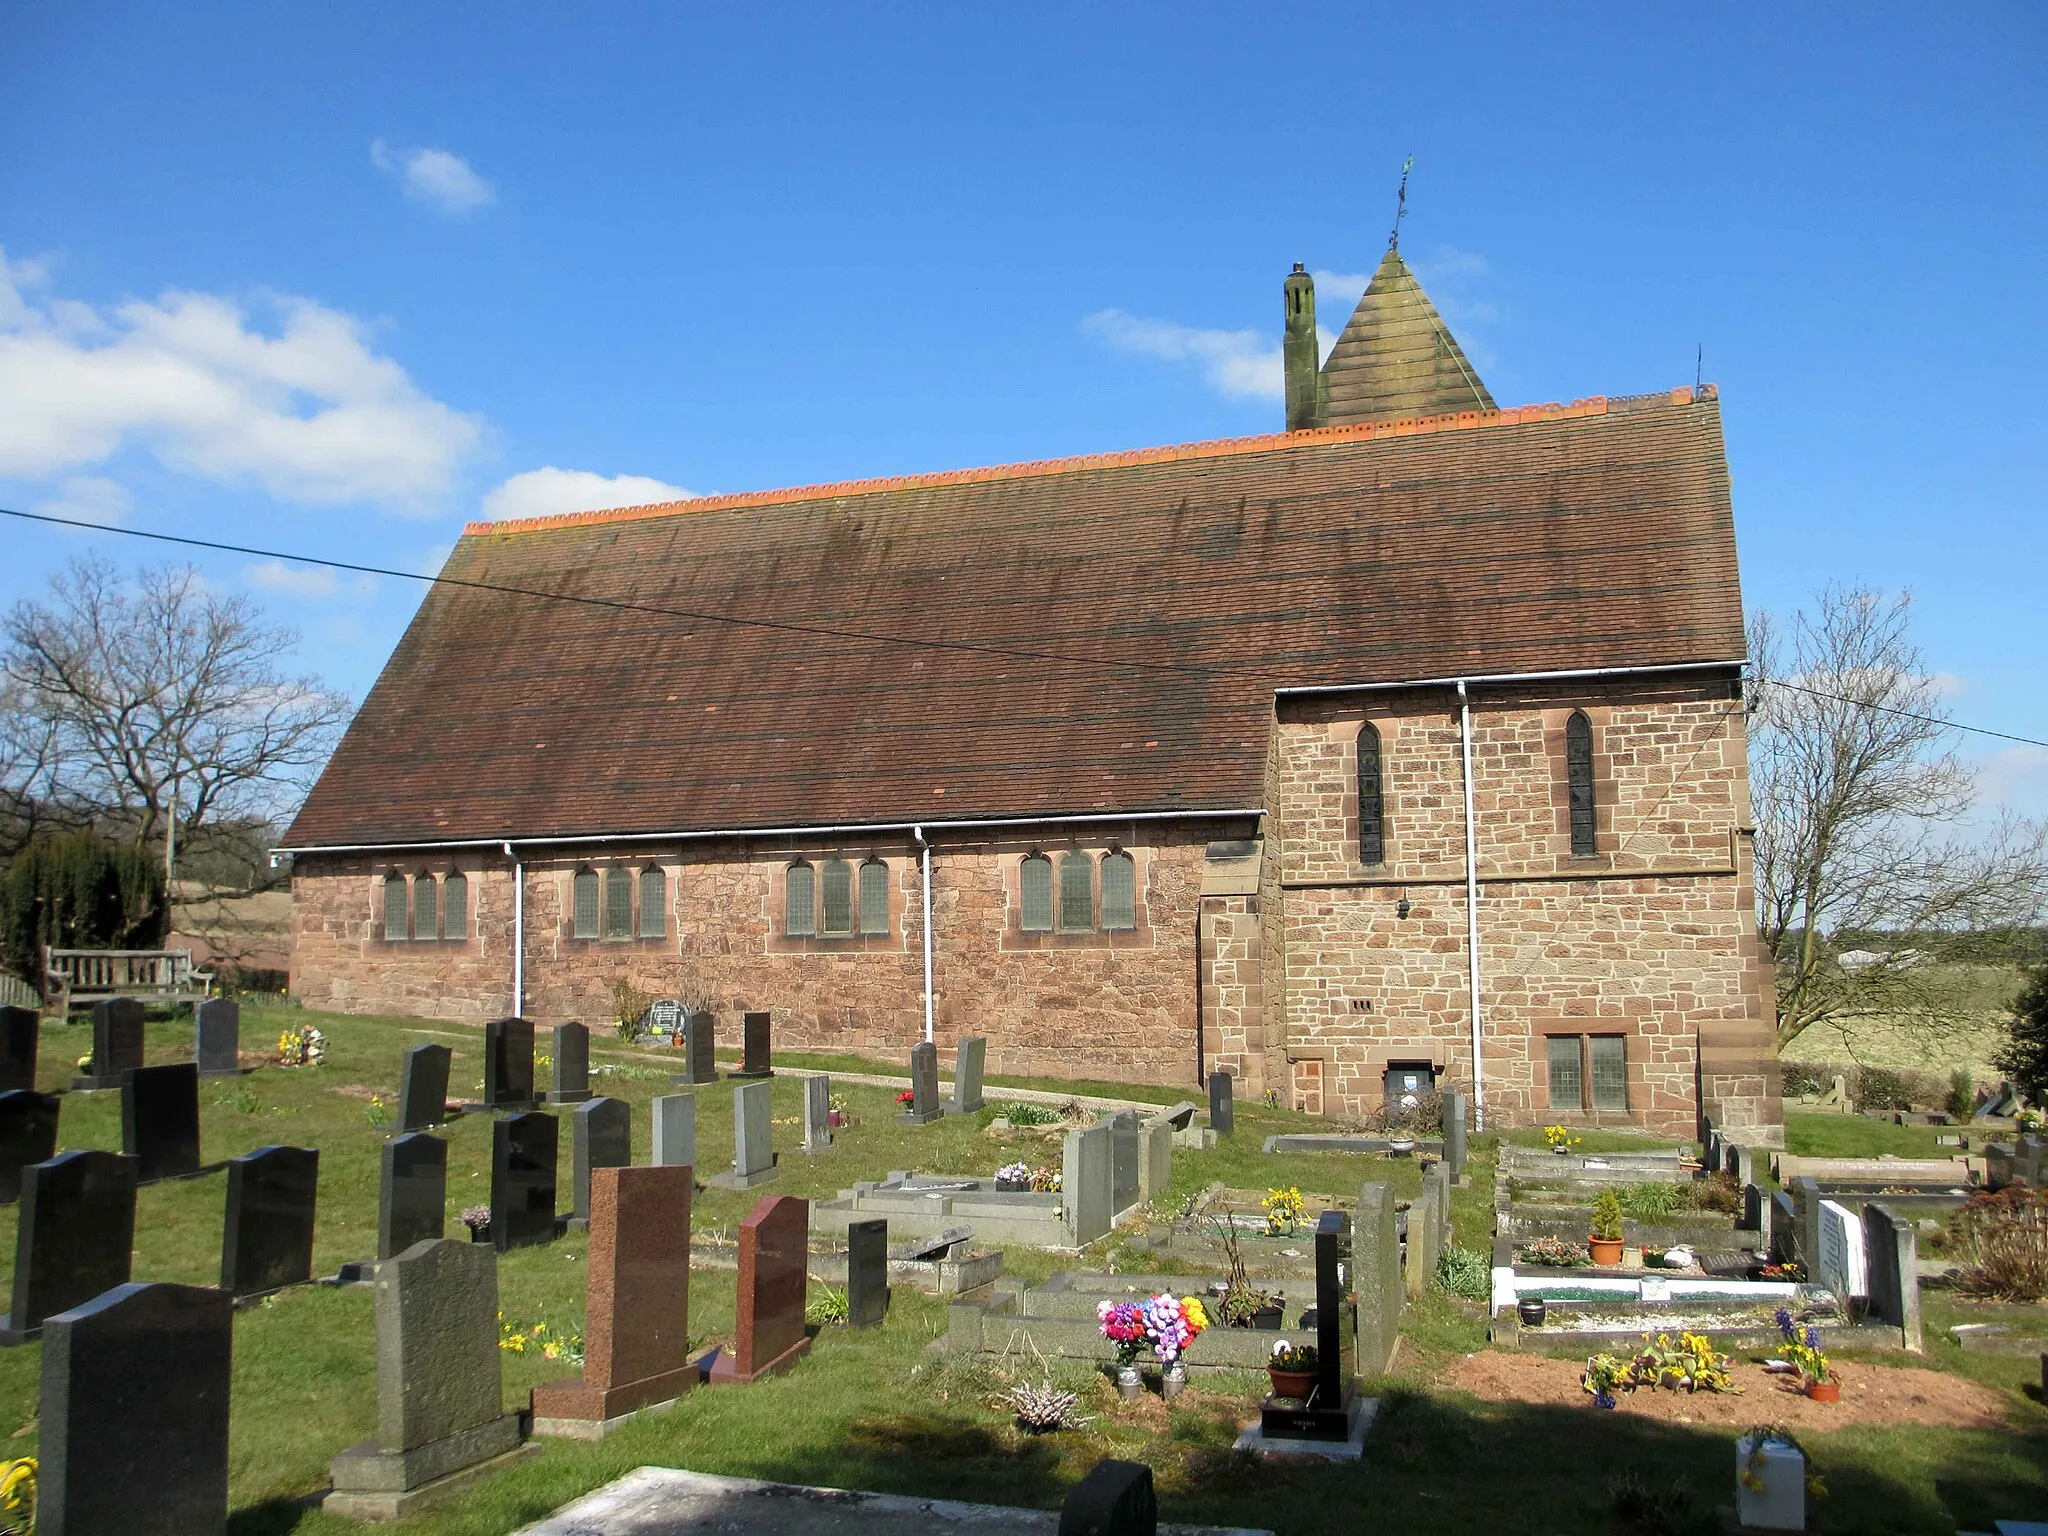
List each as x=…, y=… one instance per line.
x=1197, y=1318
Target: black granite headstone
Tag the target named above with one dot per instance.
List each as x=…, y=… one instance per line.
x=867, y=1272
x=267, y=1242
x=135, y=1414
x=1327, y=1413
x=217, y=1037
x=412, y=1195
x=1123, y=1162
x=601, y=1136
x=423, y=1087
x=571, y=1066
x=1222, y=1105
x=75, y=1238
x=523, y=1148
x=508, y=1064
x=19, y=1030
x=700, y=1064
x=160, y=1120
x=28, y=1134
x=1114, y=1499
x=116, y=1043
x=755, y=1059
x=924, y=1085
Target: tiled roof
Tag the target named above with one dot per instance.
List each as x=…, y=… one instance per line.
x=1182, y=585
x=1396, y=358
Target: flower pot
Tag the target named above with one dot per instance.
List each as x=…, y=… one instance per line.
x=1129, y=1383
x=1531, y=1310
x=1560, y=1151
x=1824, y=1391
x=1267, y=1318
x=1174, y=1382
x=1605, y=1251
x=480, y=1234
x=1295, y=1384
x=835, y=1117
x=1014, y=1186
x=1401, y=1146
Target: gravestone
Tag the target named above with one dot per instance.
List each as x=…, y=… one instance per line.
x=523, y=1154
x=1155, y=1158
x=571, y=1065
x=1745, y=1165
x=423, y=1088
x=753, y=1154
x=412, y=1194
x=1085, y=1185
x=1426, y=1228
x=1892, y=1266
x=20, y=1029
x=217, y=1037
x=755, y=1058
x=968, y=1064
x=1327, y=1413
x=1114, y=1499
x=664, y=1016
x=160, y=1121
x=1784, y=1243
x=600, y=1136
x=1840, y=1265
x=441, y=1423
x=1455, y=1110
x=774, y=1254
x=508, y=1064
x=867, y=1272
x=1756, y=1213
x=267, y=1241
x=636, y=1348
x=28, y=1135
x=817, y=1113
x=700, y=1039
x=1222, y=1106
x=1376, y=1276
x=75, y=1237
x=675, y=1130
x=924, y=1085
x=135, y=1414
x=1806, y=1201
x=116, y=1044
x=1123, y=1162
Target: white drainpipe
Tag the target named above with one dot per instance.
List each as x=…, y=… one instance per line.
x=925, y=862
x=518, y=933
x=1471, y=906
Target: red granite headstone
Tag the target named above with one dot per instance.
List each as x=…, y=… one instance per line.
x=774, y=1255
x=638, y=1307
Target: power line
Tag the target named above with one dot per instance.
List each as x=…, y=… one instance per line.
x=830, y=633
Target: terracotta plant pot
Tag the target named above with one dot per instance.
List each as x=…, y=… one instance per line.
x=1605, y=1251
x=1824, y=1391
x=1297, y=1384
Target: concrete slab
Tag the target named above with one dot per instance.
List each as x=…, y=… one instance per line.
x=664, y=1501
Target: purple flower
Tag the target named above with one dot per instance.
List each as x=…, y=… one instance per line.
x=1785, y=1322
x=1603, y=1399
x=1812, y=1337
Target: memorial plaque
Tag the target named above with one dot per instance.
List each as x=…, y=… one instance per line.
x=508, y=1064
x=28, y=1135
x=755, y=1059
x=663, y=1017
x=774, y=1256
x=1326, y=1415
x=160, y=1121
x=116, y=1044
x=968, y=1063
x=867, y=1273
x=571, y=1065
x=1222, y=1105
x=600, y=1136
x=217, y=1037
x=75, y=1236
x=675, y=1131
x=267, y=1242
x=20, y=1029
x=523, y=1155
x=423, y=1087
x=753, y=1155
x=924, y=1085
x=817, y=1113
x=700, y=1060
x=412, y=1203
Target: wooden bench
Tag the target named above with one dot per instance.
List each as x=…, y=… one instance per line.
x=76, y=977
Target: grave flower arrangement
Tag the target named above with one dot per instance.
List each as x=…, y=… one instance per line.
x=1284, y=1208
x=1802, y=1348
x=1123, y=1324
x=305, y=1047
x=1291, y=1368
x=907, y=1096
x=1761, y=1439
x=1172, y=1323
x=1014, y=1176
x=559, y=1344
x=476, y=1217
x=1692, y=1364
x=1559, y=1138
x=1552, y=1253
x=18, y=1496
x=1045, y=1181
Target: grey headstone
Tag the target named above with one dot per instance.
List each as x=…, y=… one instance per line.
x=1745, y=1165
x=1456, y=1108
x=570, y=1083
x=1784, y=1244
x=1123, y=1162
x=968, y=1064
x=412, y=1204
x=1085, y=1189
x=20, y=1029
x=756, y=1046
x=1892, y=1257
x=1155, y=1158
x=75, y=1237
x=1181, y=1116
x=675, y=1130
x=267, y=1241
x=1806, y=1201
x=601, y=1136
x=700, y=1041
x=1426, y=1229
x=1376, y=1273
x=933, y=1245
x=28, y=1135
x=867, y=1272
x=217, y=1037
x=924, y=1085
x=116, y=1042
x=508, y=1064
x=817, y=1113
x=1114, y=1499
x=1222, y=1106
x=135, y=1414
x=523, y=1160
x=753, y=1141
x=160, y=1120
x=423, y=1087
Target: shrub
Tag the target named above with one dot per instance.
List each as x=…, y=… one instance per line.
x=2001, y=1242
x=1607, y=1216
x=1028, y=1114
x=828, y=1306
x=80, y=891
x=1650, y=1202
x=1877, y=1088
x=1798, y=1078
x=2025, y=1056
x=1962, y=1095
x=1463, y=1272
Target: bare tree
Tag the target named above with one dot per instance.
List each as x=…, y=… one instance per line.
x=1860, y=806
x=156, y=698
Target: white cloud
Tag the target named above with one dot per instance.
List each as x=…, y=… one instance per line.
x=317, y=582
x=2015, y=779
x=437, y=177
x=308, y=412
x=1244, y=365
x=546, y=491
x=89, y=499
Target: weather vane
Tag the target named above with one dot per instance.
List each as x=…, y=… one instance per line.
x=1401, y=205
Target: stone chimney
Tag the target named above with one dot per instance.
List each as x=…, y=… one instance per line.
x=1307, y=401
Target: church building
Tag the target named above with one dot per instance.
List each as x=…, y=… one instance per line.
x=1400, y=748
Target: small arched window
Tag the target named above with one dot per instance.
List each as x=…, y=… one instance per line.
x=455, y=906
x=618, y=903
x=1035, y=893
x=1372, y=809
x=1077, y=893
x=395, y=925
x=1119, y=891
x=653, y=903
x=1578, y=772
x=583, y=905
x=836, y=886
x=425, y=914
x=800, y=901
x=874, y=897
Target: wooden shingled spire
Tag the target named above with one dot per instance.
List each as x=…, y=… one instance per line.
x=1397, y=359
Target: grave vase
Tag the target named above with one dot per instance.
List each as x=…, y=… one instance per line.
x=1129, y=1384
x=1174, y=1381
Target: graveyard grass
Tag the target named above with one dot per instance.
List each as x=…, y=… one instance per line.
x=878, y=1409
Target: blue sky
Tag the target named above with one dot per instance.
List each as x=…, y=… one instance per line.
x=338, y=279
